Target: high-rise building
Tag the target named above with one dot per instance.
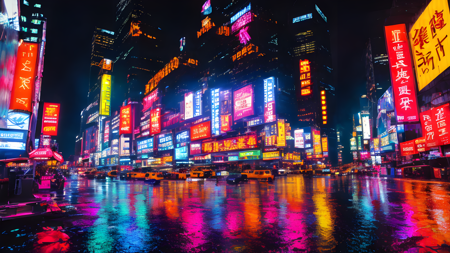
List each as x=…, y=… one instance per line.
x=139, y=47
x=102, y=47
x=32, y=21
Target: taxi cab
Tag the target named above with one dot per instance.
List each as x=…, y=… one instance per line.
x=202, y=173
x=261, y=175
x=112, y=173
x=154, y=176
x=136, y=175
x=176, y=176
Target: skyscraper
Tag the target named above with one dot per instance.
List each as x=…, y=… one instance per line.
x=102, y=47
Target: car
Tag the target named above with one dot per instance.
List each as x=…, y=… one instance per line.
x=236, y=179
x=112, y=173
x=100, y=175
x=261, y=175
x=154, y=177
x=202, y=173
x=176, y=176
x=123, y=174
x=282, y=172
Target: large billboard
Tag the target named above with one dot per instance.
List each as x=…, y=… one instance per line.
x=145, y=146
x=13, y=140
x=198, y=103
x=215, y=111
x=150, y=99
x=243, y=102
x=269, y=100
x=230, y=144
x=317, y=145
x=125, y=120
x=181, y=138
x=434, y=126
x=105, y=95
x=305, y=77
x=188, y=105
x=24, y=77
x=50, y=118
x=17, y=120
x=281, y=137
x=226, y=120
x=165, y=142
x=429, y=40
x=366, y=126
x=155, y=121
x=402, y=75
x=299, y=141
x=201, y=131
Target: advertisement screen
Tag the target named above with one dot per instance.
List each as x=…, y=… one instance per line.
x=325, y=144
x=188, y=105
x=155, y=121
x=243, y=102
x=435, y=127
x=201, y=131
x=421, y=145
x=50, y=119
x=429, y=41
x=182, y=137
x=242, y=21
x=353, y=144
x=165, y=142
x=125, y=120
x=105, y=96
x=124, y=146
x=230, y=144
x=226, y=120
x=408, y=148
x=271, y=155
x=170, y=119
x=145, y=146
x=281, y=137
x=402, y=75
x=366, y=127
x=106, y=132
x=317, y=144
x=298, y=138
x=18, y=120
x=429, y=129
x=196, y=148
x=181, y=153
x=150, y=100
x=215, y=111
x=269, y=100
x=255, y=121
x=24, y=77
x=198, y=103
x=250, y=155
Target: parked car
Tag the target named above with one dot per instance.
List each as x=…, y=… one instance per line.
x=112, y=173
x=100, y=175
x=262, y=175
x=236, y=179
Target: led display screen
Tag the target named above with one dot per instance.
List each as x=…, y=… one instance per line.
x=50, y=119
x=215, y=111
x=269, y=100
x=201, y=131
x=105, y=95
x=243, y=102
x=155, y=121
x=145, y=146
x=188, y=105
x=230, y=144
x=299, y=141
x=125, y=120
x=165, y=142
x=182, y=137
x=18, y=120
x=181, y=153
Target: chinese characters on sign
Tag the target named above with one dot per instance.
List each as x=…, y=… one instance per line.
x=281, y=138
x=434, y=126
x=269, y=100
x=305, y=77
x=246, y=50
x=150, y=99
x=401, y=73
x=230, y=144
x=242, y=21
x=24, y=77
x=125, y=120
x=169, y=67
x=206, y=26
x=201, y=131
x=429, y=38
x=408, y=148
x=198, y=103
x=165, y=142
x=215, y=109
x=50, y=119
x=105, y=95
x=155, y=121
x=243, y=102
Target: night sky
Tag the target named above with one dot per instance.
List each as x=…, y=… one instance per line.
x=71, y=24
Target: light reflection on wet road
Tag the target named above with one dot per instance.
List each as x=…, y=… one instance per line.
x=294, y=213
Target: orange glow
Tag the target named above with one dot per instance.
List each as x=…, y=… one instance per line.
x=323, y=97
x=305, y=76
x=324, y=117
x=223, y=30
x=172, y=65
x=322, y=92
x=324, y=112
x=306, y=91
x=324, y=122
x=250, y=48
x=206, y=26
x=305, y=83
x=106, y=64
x=135, y=29
x=193, y=62
x=323, y=102
x=324, y=107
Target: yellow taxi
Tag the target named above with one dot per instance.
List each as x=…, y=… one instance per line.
x=177, y=176
x=261, y=175
x=136, y=175
x=112, y=173
x=202, y=173
x=154, y=175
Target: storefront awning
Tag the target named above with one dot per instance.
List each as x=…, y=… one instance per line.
x=45, y=154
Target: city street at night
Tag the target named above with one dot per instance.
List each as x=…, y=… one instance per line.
x=344, y=214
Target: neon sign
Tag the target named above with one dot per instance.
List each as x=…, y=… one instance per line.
x=249, y=49
x=169, y=67
x=269, y=100
x=243, y=35
x=50, y=119
x=302, y=18
x=155, y=121
x=323, y=99
x=240, y=13
x=305, y=77
x=188, y=105
x=125, y=120
x=242, y=21
x=206, y=26
x=201, y=131
x=243, y=102
x=105, y=95
x=215, y=107
x=206, y=8
x=230, y=144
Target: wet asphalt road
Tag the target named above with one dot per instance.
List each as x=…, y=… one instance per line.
x=343, y=214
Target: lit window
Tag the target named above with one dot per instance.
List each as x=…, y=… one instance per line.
x=34, y=30
x=37, y=5
x=23, y=18
x=24, y=29
x=36, y=21
x=34, y=39
x=26, y=3
x=322, y=92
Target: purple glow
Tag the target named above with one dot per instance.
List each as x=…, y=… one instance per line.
x=244, y=37
x=245, y=19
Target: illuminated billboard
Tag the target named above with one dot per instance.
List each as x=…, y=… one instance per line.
x=169, y=67
x=408, y=148
x=434, y=126
x=24, y=77
x=105, y=95
x=206, y=8
x=429, y=40
x=230, y=144
x=188, y=105
x=243, y=102
x=106, y=64
x=106, y=132
x=201, y=131
x=50, y=119
x=240, y=13
x=271, y=155
x=269, y=100
x=402, y=75
x=242, y=21
x=305, y=77
x=198, y=103
x=13, y=140
x=196, y=148
x=281, y=137
x=215, y=111
x=255, y=121
x=165, y=142
x=18, y=120
x=366, y=126
x=182, y=137
x=155, y=121
x=226, y=120
x=181, y=153
x=150, y=100
x=299, y=142
x=125, y=120
x=145, y=146
x=317, y=145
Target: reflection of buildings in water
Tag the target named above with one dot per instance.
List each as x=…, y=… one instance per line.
x=234, y=218
x=192, y=218
x=440, y=210
x=325, y=220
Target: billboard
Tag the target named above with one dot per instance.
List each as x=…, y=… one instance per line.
x=429, y=40
x=18, y=120
x=105, y=95
x=155, y=121
x=305, y=77
x=408, y=148
x=325, y=144
x=181, y=153
x=124, y=146
x=386, y=101
x=299, y=141
x=281, y=135
x=226, y=120
x=170, y=119
x=145, y=146
x=13, y=140
x=242, y=21
x=421, y=145
x=182, y=138
x=435, y=127
x=206, y=8
x=366, y=126
x=271, y=155
x=106, y=132
x=317, y=145
x=198, y=103
x=240, y=13
x=188, y=105
x=125, y=120
x=50, y=118
x=243, y=102
x=230, y=144
x=196, y=148
x=24, y=77
x=215, y=110
x=201, y=131
x=269, y=100
x=165, y=142
x=255, y=121
x=402, y=75
x=150, y=100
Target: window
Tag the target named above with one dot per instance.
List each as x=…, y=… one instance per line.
x=23, y=18
x=24, y=29
x=26, y=3
x=34, y=39
x=37, y=5
x=267, y=172
x=36, y=21
x=34, y=30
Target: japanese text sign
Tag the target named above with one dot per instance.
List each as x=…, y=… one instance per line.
x=401, y=73
x=24, y=77
x=50, y=119
x=215, y=109
x=269, y=100
x=429, y=40
x=243, y=102
x=125, y=120
x=201, y=131
x=408, y=148
x=155, y=121
x=230, y=144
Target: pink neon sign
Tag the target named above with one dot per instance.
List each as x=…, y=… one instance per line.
x=243, y=35
x=245, y=19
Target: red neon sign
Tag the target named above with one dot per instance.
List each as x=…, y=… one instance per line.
x=401, y=73
x=125, y=120
x=150, y=99
x=201, y=131
x=408, y=148
x=429, y=129
x=155, y=121
x=230, y=144
x=24, y=77
x=242, y=21
x=50, y=119
x=225, y=123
